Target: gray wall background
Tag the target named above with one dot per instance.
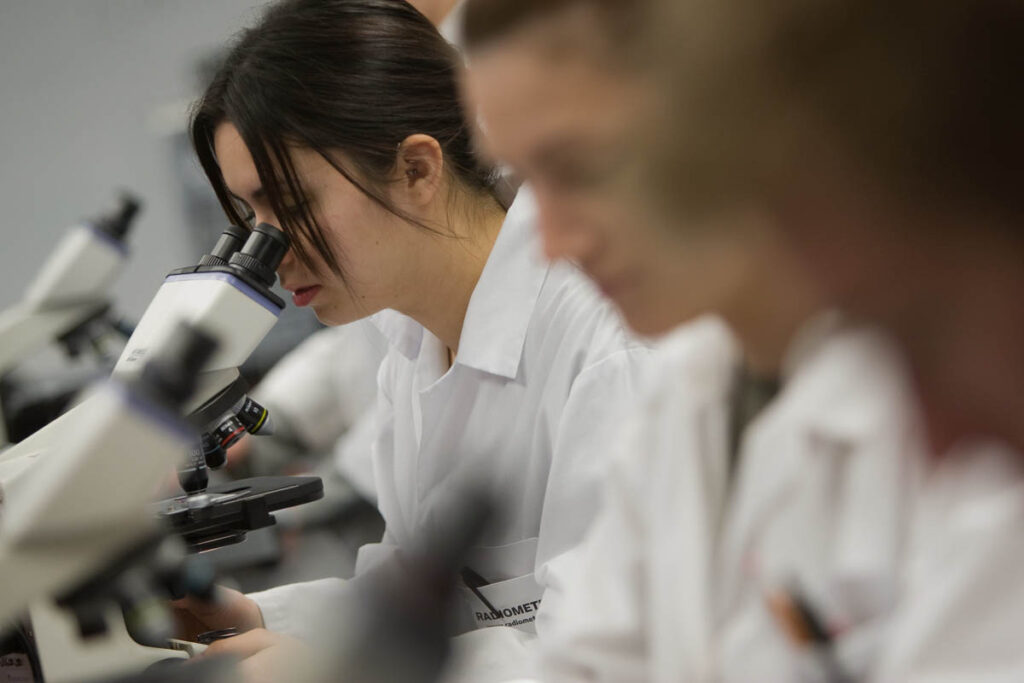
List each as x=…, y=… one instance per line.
x=90, y=91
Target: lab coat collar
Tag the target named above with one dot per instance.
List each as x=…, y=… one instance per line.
x=834, y=406
x=842, y=399
x=502, y=303
x=403, y=333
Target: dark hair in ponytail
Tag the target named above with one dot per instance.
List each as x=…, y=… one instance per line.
x=355, y=76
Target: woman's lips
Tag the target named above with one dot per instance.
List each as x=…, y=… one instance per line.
x=303, y=296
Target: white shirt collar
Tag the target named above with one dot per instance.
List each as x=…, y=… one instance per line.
x=502, y=303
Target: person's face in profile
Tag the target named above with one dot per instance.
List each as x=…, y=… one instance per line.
x=572, y=127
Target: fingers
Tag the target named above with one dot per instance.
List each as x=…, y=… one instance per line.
x=273, y=665
x=266, y=657
x=188, y=627
x=228, y=609
x=239, y=453
x=246, y=644
x=286, y=660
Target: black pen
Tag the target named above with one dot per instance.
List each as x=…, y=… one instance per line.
x=474, y=582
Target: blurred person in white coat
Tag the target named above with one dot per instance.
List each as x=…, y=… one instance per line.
x=322, y=397
x=501, y=367
x=908, y=210
x=775, y=513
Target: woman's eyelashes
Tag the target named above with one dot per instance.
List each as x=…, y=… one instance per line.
x=295, y=209
x=291, y=211
x=242, y=212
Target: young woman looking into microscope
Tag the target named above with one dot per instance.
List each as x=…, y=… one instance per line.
x=340, y=121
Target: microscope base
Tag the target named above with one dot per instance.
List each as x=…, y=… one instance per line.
x=66, y=657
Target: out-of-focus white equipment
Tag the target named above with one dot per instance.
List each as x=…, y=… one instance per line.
x=228, y=295
x=70, y=298
x=89, y=473
x=78, y=531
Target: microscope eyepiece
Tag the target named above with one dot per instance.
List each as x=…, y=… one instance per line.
x=228, y=244
x=117, y=222
x=262, y=253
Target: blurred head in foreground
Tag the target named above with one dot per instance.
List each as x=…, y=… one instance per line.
x=568, y=97
x=886, y=140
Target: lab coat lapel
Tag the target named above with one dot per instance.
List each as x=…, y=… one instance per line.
x=762, y=485
x=820, y=448
x=773, y=452
x=689, y=565
x=505, y=297
x=684, y=554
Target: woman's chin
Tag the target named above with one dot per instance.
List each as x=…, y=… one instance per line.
x=333, y=317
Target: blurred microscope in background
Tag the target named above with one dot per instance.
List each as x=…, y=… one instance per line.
x=77, y=498
x=66, y=308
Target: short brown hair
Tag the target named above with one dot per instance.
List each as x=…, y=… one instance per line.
x=923, y=96
x=486, y=21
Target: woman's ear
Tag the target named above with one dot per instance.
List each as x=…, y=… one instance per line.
x=420, y=168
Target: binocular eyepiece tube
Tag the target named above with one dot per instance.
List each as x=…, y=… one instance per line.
x=258, y=253
x=229, y=242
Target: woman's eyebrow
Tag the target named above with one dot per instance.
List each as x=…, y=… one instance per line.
x=256, y=195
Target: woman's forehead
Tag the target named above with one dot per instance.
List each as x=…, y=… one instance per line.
x=236, y=162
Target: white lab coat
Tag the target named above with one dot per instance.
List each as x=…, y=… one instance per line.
x=917, y=562
x=544, y=368
x=323, y=392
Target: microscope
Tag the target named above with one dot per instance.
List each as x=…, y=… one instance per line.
x=69, y=299
x=227, y=295
x=68, y=534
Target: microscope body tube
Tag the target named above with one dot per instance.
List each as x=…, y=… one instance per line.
x=82, y=268
x=230, y=301
x=86, y=262
x=219, y=303
x=80, y=505
x=72, y=286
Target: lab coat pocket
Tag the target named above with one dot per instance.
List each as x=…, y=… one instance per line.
x=503, y=562
x=507, y=603
x=506, y=593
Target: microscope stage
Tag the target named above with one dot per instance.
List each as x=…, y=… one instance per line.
x=223, y=514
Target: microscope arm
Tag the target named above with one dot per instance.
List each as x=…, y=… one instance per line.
x=24, y=329
x=86, y=501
